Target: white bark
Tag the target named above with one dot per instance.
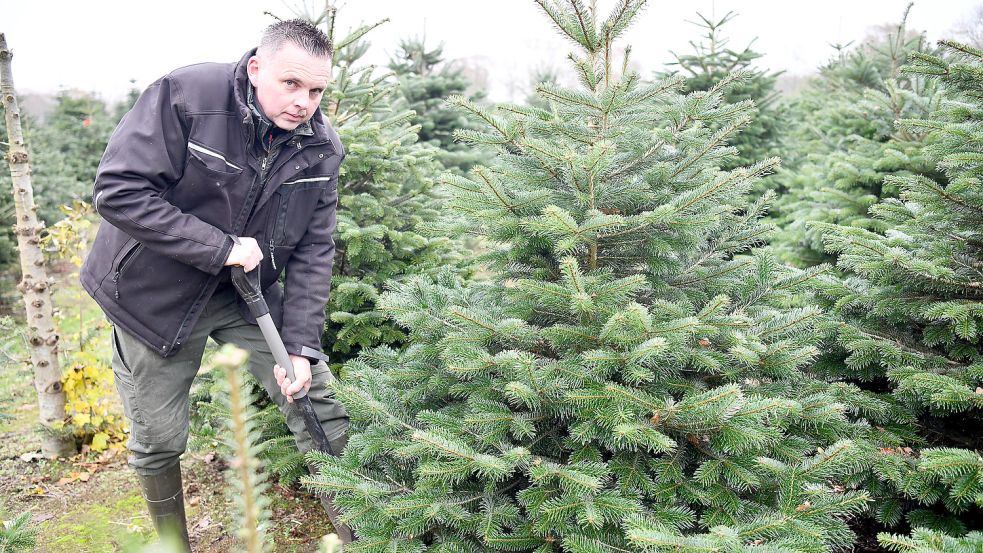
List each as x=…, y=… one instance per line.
x=35, y=285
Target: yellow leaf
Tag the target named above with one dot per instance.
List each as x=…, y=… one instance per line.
x=100, y=441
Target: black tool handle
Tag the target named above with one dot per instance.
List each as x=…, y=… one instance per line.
x=247, y=284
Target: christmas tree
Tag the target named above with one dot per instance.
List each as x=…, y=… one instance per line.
x=629, y=379
x=843, y=142
x=426, y=81
x=385, y=192
x=242, y=435
x=911, y=310
x=713, y=61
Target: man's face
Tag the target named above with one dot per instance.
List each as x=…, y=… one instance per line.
x=289, y=84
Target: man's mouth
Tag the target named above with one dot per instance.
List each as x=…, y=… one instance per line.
x=294, y=117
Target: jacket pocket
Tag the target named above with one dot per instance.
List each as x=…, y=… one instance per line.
x=123, y=262
x=211, y=159
x=205, y=172
x=125, y=383
x=293, y=206
x=210, y=188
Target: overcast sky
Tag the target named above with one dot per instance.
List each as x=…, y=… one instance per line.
x=101, y=45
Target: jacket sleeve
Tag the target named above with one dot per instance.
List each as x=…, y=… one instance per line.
x=145, y=156
x=307, y=282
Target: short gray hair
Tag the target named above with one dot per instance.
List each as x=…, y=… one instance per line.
x=299, y=32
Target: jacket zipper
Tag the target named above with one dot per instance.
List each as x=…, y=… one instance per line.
x=124, y=262
x=262, y=180
x=271, y=231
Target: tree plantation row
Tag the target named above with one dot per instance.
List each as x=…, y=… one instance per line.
x=675, y=312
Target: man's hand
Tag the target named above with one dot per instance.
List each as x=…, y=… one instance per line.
x=302, y=377
x=246, y=253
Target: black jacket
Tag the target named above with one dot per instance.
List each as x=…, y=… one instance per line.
x=180, y=175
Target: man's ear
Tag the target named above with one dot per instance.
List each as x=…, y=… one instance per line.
x=252, y=69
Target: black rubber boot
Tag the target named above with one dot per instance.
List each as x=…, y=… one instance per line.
x=165, y=500
x=327, y=499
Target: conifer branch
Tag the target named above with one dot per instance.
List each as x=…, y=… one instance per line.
x=249, y=482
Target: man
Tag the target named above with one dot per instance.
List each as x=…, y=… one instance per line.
x=218, y=165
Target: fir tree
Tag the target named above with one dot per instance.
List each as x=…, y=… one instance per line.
x=426, y=81
x=385, y=194
x=911, y=309
x=210, y=417
x=629, y=380
x=843, y=142
x=713, y=61
x=242, y=435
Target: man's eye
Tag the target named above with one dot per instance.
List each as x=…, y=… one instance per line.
x=289, y=82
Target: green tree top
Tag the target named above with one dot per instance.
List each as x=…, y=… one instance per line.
x=711, y=62
x=427, y=80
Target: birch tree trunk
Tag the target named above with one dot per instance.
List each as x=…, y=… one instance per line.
x=34, y=286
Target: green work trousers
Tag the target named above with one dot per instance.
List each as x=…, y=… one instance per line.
x=155, y=389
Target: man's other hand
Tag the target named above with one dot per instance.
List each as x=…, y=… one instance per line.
x=302, y=377
x=246, y=254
